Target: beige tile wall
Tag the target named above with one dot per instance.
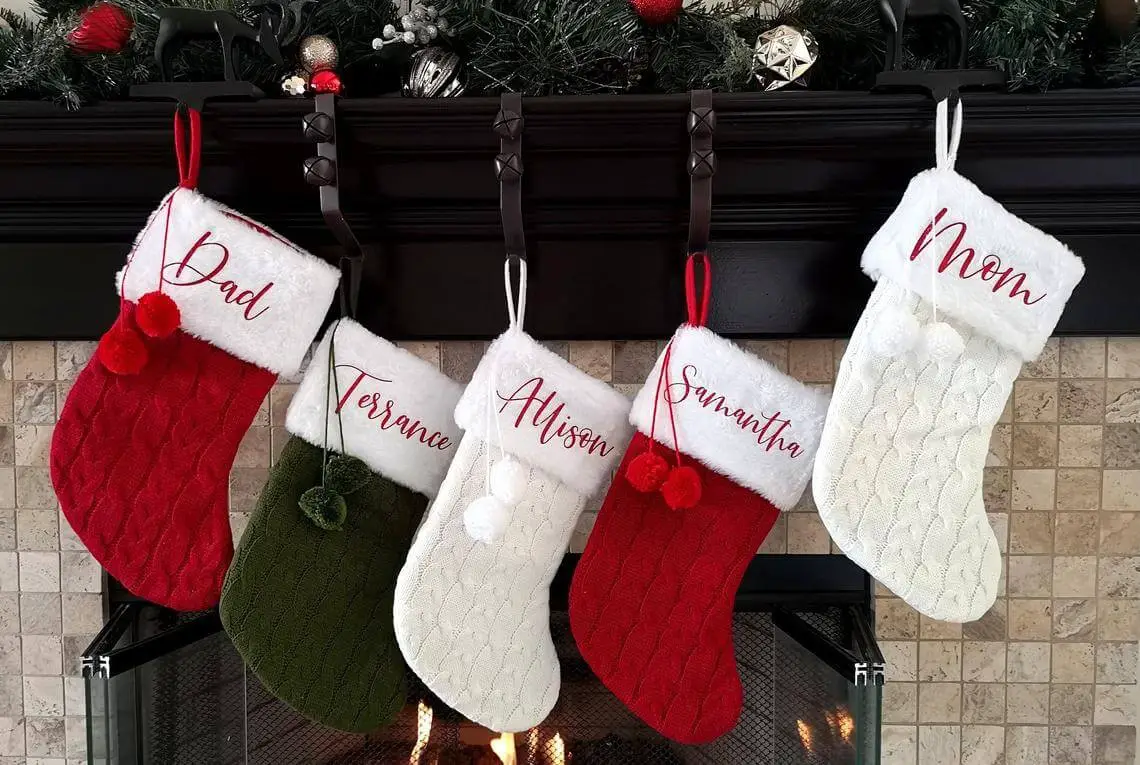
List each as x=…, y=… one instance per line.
x=1046, y=678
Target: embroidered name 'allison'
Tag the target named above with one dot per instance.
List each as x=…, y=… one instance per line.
x=202, y=266
x=768, y=429
x=548, y=414
x=990, y=270
x=384, y=410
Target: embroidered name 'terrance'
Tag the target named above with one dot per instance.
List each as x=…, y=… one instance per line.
x=384, y=411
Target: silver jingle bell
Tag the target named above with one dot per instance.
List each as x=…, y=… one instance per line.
x=435, y=73
x=782, y=56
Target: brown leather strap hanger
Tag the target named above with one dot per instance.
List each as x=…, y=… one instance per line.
x=701, y=123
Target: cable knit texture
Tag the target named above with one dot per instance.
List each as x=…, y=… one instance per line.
x=310, y=611
x=473, y=619
x=141, y=465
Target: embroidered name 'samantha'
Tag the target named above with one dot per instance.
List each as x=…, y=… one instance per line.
x=384, y=410
x=549, y=416
x=769, y=429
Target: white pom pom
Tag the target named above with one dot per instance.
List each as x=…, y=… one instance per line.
x=895, y=334
x=942, y=342
x=508, y=481
x=486, y=519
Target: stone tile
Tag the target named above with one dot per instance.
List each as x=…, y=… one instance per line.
x=238, y=524
x=75, y=736
x=7, y=501
x=245, y=487
x=996, y=489
x=1035, y=401
x=33, y=360
x=811, y=361
x=983, y=703
x=1122, y=402
x=1080, y=445
x=1122, y=446
x=1047, y=364
x=1027, y=703
x=1000, y=445
x=984, y=662
x=983, y=745
x=458, y=359
x=11, y=660
x=1118, y=577
x=1123, y=357
x=80, y=572
x=71, y=357
x=1120, y=533
x=1070, y=745
x=895, y=620
x=633, y=361
x=254, y=451
x=11, y=696
x=1034, y=445
x=6, y=353
x=939, y=661
x=1033, y=490
x=40, y=613
x=32, y=444
x=1115, y=705
x=37, y=530
x=7, y=415
x=7, y=445
x=933, y=629
x=999, y=522
x=1078, y=489
x=427, y=350
x=1030, y=533
x=992, y=626
x=46, y=736
x=74, y=696
x=900, y=702
x=807, y=534
x=899, y=745
x=1081, y=401
x=1118, y=619
x=43, y=655
x=82, y=613
x=1073, y=663
x=12, y=736
x=280, y=396
x=1074, y=620
x=1028, y=662
x=33, y=403
x=1030, y=576
x=278, y=437
x=1026, y=745
x=9, y=613
x=594, y=357
x=939, y=744
x=1070, y=704
x=73, y=648
x=775, y=352
x=1074, y=576
x=43, y=696
x=1076, y=534
x=39, y=571
x=1114, y=745
x=1121, y=489
x=561, y=348
x=1082, y=356
x=1030, y=619
x=901, y=659
x=9, y=572
x=34, y=489
x=1116, y=663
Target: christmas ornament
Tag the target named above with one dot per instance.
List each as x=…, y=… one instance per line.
x=326, y=81
x=308, y=605
x=898, y=478
x=783, y=56
x=422, y=26
x=318, y=52
x=295, y=85
x=141, y=455
x=102, y=28
x=724, y=443
x=472, y=601
x=435, y=73
x=657, y=11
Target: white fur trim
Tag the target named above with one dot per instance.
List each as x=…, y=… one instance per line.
x=1003, y=277
x=735, y=413
x=551, y=415
x=397, y=411
x=264, y=299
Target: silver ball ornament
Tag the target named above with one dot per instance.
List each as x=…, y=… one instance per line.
x=783, y=56
x=318, y=52
x=295, y=85
x=486, y=519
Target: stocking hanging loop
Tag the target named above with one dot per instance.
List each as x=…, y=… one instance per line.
x=947, y=136
x=516, y=311
x=188, y=146
x=698, y=309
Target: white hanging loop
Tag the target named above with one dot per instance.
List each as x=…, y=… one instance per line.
x=516, y=312
x=941, y=342
x=947, y=137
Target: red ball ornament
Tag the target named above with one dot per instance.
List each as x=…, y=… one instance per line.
x=682, y=489
x=647, y=471
x=326, y=81
x=157, y=314
x=121, y=350
x=657, y=11
x=102, y=28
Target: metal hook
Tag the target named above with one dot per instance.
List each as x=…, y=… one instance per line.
x=700, y=122
x=509, y=170
x=321, y=171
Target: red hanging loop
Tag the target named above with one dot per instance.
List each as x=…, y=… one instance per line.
x=698, y=313
x=188, y=161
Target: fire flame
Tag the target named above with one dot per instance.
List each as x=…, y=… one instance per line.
x=557, y=750
x=423, y=733
x=805, y=735
x=846, y=725
x=504, y=746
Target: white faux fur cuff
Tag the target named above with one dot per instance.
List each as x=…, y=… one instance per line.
x=549, y=413
x=237, y=284
x=970, y=257
x=396, y=409
x=735, y=413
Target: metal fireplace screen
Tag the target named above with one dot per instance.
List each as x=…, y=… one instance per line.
x=199, y=705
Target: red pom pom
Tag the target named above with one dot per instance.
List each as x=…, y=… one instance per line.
x=657, y=11
x=157, y=314
x=326, y=81
x=122, y=351
x=102, y=28
x=682, y=489
x=647, y=471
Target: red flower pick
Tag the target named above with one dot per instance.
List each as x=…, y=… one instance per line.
x=102, y=28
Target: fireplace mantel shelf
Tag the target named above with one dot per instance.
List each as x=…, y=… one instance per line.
x=804, y=178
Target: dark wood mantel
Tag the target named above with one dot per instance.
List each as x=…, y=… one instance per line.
x=804, y=179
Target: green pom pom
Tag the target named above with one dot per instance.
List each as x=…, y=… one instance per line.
x=325, y=508
x=345, y=474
